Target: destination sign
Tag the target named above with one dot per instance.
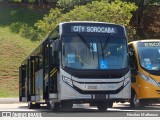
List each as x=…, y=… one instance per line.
x=152, y=44
x=93, y=29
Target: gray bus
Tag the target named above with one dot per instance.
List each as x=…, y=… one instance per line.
x=78, y=62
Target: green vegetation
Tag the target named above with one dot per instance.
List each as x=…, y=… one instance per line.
x=13, y=47
x=22, y=26
x=67, y=5
x=96, y=11
x=21, y=19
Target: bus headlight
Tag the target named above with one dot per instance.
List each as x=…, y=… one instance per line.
x=148, y=79
x=67, y=80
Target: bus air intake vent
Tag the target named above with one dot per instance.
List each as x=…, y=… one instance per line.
x=98, y=76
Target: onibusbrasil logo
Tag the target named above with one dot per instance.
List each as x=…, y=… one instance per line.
x=21, y=114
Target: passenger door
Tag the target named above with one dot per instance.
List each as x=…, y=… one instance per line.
x=22, y=83
x=50, y=69
x=31, y=79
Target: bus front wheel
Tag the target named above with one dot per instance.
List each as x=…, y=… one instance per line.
x=110, y=104
x=53, y=106
x=134, y=101
x=102, y=106
x=66, y=105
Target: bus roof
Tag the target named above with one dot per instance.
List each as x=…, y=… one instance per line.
x=147, y=40
x=89, y=22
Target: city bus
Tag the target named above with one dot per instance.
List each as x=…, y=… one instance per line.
x=145, y=72
x=78, y=62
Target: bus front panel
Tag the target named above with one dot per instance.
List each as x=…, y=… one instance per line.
x=147, y=79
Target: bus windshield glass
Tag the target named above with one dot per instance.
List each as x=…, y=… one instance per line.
x=94, y=52
x=149, y=55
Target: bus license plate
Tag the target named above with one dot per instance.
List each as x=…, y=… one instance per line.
x=92, y=87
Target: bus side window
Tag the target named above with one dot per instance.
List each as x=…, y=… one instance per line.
x=133, y=60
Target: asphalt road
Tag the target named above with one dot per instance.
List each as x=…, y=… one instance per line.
x=79, y=110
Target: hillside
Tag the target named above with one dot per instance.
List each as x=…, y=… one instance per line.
x=14, y=47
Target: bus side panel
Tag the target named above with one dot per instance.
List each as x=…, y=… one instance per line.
x=39, y=85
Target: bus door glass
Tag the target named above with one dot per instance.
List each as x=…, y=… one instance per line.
x=31, y=78
x=51, y=62
x=22, y=80
x=46, y=68
x=54, y=65
x=38, y=76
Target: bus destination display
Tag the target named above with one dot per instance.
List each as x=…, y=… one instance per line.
x=149, y=44
x=93, y=29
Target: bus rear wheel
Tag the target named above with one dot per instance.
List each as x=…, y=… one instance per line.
x=32, y=106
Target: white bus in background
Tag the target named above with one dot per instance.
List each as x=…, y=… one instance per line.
x=79, y=62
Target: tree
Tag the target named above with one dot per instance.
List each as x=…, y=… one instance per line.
x=142, y=4
x=67, y=5
x=115, y=12
x=24, y=1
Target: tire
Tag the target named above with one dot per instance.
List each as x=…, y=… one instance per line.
x=102, y=106
x=66, y=105
x=134, y=101
x=30, y=105
x=110, y=104
x=33, y=106
x=37, y=106
x=55, y=107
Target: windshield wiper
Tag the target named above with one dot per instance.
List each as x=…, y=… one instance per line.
x=85, y=42
x=106, y=42
x=89, y=46
x=102, y=50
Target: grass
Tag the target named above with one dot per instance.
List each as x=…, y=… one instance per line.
x=13, y=47
x=19, y=13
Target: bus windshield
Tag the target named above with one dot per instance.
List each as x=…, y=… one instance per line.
x=149, y=57
x=94, y=52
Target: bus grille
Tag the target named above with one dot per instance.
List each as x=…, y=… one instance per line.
x=99, y=76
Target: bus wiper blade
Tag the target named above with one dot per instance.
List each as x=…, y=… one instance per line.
x=106, y=42
x=89, y=46
x=102, y=50
x=85, y=42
